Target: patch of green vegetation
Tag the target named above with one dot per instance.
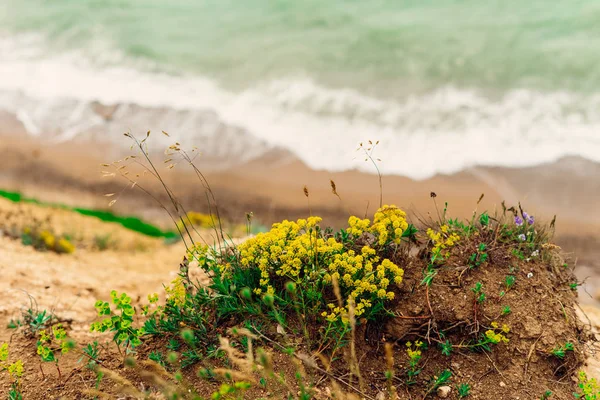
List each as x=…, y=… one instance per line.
x=15, y=372
x=463, y=390
x=132, y=223
x=561, y=351
x=588, y=388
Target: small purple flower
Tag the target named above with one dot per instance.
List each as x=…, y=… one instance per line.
x=518, y=221
x=522, y=237
x=529, y=218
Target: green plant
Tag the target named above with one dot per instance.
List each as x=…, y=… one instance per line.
x=14, y=324
x=484, y=219
x=428, y=275
x=479, y=257
x=561, y=351
x=103, y=242
x=290, y=275
x=15, y=372
x=546, y=395
x=463, y=390
x=509, y=282
x=588, y=388
x=50, y=347
x=506, y=310
x=519, y=254
x=37, y=320
x=446, y=348
x=228, y=391
x=414, y=357
x=173, y=344
x=91, y=352
x=438, y=381
x=122, y=324
x=157, y=357
x=496, y=334
x=478, y=291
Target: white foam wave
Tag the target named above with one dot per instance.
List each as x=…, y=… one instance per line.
x=444, y=131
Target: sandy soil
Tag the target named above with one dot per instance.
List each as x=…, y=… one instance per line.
x=71, y=284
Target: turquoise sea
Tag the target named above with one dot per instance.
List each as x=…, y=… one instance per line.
x=443, y=84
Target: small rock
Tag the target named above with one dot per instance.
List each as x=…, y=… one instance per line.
x=444, y=391
x=531, y=327
x=502, y=384
x=380, y=396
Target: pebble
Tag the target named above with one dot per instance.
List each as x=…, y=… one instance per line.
x=502, y=384
x=444, y=391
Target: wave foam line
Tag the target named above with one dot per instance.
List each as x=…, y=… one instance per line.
x=444, y=131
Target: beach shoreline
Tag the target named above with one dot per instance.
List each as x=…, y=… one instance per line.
x=271, y=187
x=56, y=171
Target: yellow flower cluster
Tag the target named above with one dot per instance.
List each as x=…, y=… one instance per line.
x=199, y=256
x=414, y=355
x=198, y=219
x=357, y=226
x=61, y=245
x=495, y=335
x=298, y=250
x=15, y=369
x=64, y=246
x=4, y=352
x=48, y=239
x=289, y=249
x=443, y=240
x=176, y=292
x=388, y=225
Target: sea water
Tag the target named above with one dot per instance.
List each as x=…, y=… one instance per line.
x=442, y=84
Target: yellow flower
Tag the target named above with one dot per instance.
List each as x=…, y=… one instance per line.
x=15, y=369
x=176, y=292
x=4, y=352
x=64, y=246
x=442, y=240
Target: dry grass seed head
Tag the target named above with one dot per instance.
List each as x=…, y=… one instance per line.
x=236, y=357
x=233, y=376
x=124, y=384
